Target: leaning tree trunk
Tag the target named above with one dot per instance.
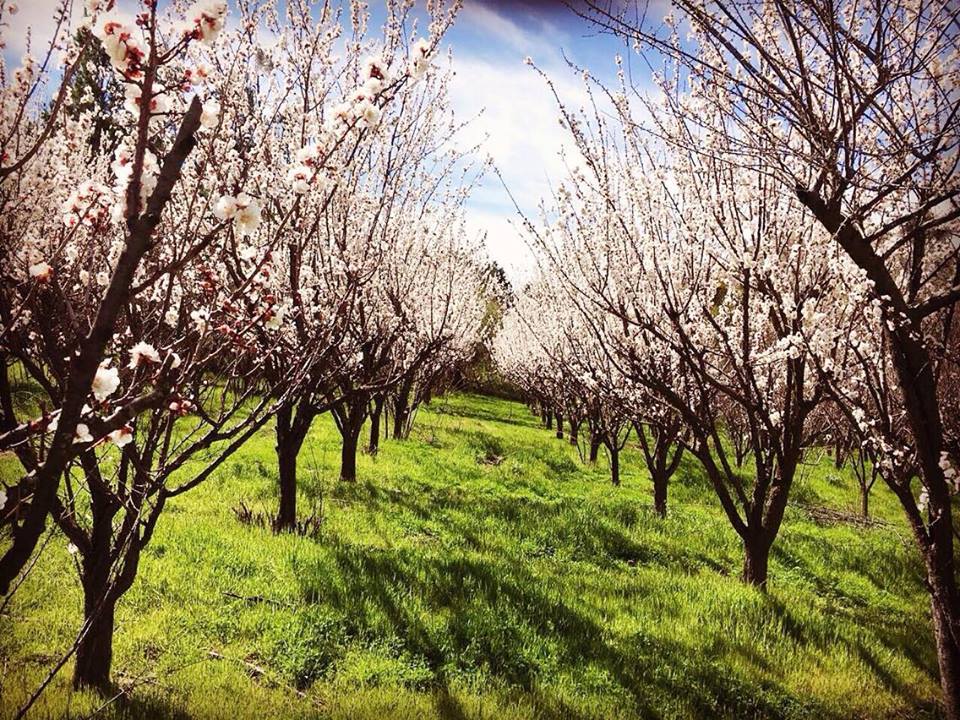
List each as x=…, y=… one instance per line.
x=375, y=415
x=948, y=657
x=945, y=610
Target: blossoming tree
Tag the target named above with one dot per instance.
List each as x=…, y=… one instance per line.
x=855, y=107
x=137, y=257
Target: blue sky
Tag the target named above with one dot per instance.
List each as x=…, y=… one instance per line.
x=518, y=126
x=520, y=117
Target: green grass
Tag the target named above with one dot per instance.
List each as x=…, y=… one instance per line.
x=446, y=585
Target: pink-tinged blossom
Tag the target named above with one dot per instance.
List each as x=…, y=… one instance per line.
x=141, y=353
x=205, y=20
x=247, y=218
x=94, y=6
x=41, y=271
x=299, y=177
x=201, y=319
x=88, y=204
x=419, y=59
x=122, y=46
x=375, y=74
x=368, y=114
x=122, y=436
x=24, y=76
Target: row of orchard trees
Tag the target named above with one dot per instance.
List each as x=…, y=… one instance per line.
x=206, y=225
x=762, y=253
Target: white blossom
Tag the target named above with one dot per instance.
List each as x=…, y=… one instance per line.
x=143, y=352
x=105, y=382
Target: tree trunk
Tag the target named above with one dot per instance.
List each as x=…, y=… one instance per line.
x=864, y=501
x=401, y=413
x=287, y=464
x=549, y=420
x=348, y=454
x=755, y=561
x=945, y=610
x=594, y=447
x=95, y=651
x=614, y=464
x=559, y=426
x=660, y=494
x=948, y=658
x=292, y=426
x=375, y=414
x=574, y=431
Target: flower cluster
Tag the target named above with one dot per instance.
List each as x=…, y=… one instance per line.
x=210, y=116
x=419, y=59
x=143, y=353
x=133, y=100
x=24, y=76
x=125, y=50
x=89, y=204
x=243, y=210
x=205, y=20
x=307, y=170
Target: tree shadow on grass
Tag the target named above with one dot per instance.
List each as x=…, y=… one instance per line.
x=140, y=703
x=502, y=621
x=906, y=637
x=902, y=638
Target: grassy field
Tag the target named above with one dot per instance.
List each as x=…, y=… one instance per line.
x=480, y=570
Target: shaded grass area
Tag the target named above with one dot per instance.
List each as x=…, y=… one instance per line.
x=480, y=570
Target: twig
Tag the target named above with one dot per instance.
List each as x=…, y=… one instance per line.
x=257, y=672
x=255, y=599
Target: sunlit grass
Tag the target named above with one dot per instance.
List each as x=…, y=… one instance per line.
x=479, y=569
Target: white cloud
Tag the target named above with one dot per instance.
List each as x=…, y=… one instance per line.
x=501, y=31
x=518, y=126
x=505, y=240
